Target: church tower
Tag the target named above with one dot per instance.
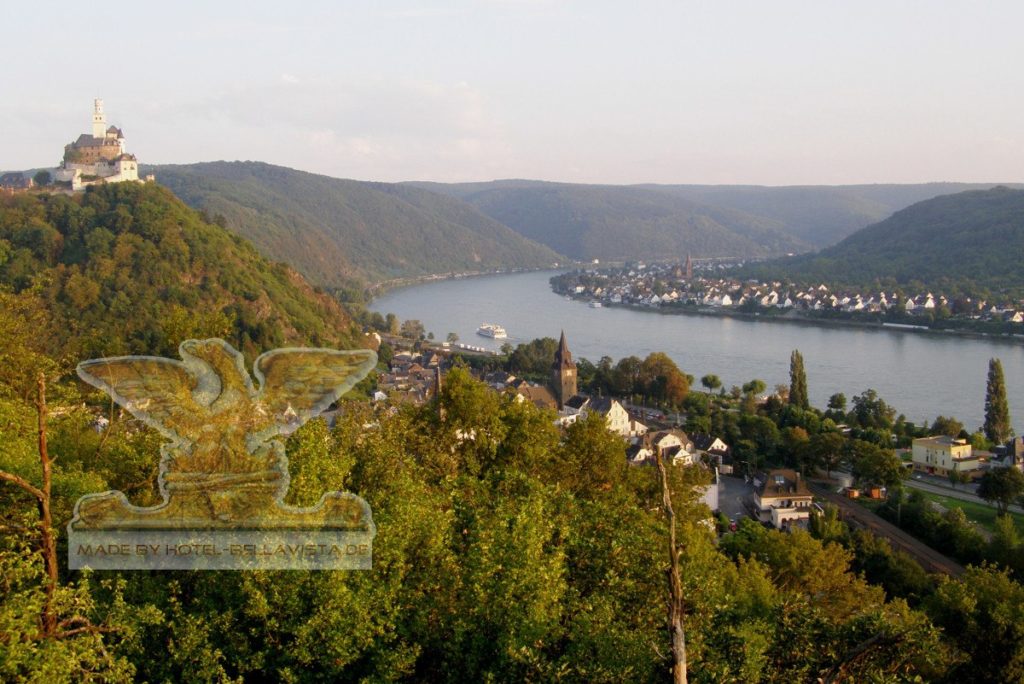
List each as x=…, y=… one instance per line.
x=563, y=373
x=689, y=268
x=99, y=119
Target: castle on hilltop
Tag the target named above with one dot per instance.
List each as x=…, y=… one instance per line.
x=99, y=157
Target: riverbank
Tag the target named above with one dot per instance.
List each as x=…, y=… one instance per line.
x=924, y=375
x=794, y=316
x=378, y=289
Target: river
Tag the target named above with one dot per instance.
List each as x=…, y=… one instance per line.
x=922, y=376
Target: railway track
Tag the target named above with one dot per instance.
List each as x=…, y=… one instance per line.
x=930, y=559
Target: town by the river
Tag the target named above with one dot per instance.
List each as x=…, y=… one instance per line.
x=922, y=376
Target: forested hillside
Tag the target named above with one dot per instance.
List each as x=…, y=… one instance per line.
x=335, y=230
x=969, y=242
x=130, y=269
x=820, y=215
x=620, y=222
x=586, y=220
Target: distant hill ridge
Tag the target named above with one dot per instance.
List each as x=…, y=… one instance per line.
x=623, y=222
x=343, y=232
x=665, y=221
x=966, y=242
x=334, y=231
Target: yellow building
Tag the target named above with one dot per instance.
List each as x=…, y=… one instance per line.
x=940, y=454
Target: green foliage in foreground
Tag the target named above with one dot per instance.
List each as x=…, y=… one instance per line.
x=505, y=552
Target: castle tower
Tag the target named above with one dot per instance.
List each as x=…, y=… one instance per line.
x=563, y=373
x=99, y=119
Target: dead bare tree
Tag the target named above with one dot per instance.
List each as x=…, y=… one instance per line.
x=48, y=542
x=675, y=585
x=50, y=627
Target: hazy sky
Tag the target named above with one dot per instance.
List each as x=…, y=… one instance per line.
x=769, y=92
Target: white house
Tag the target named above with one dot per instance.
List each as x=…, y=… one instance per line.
x=781, y=497
x=674, y=445
x=615, y=414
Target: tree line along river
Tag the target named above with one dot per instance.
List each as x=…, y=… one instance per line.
x=921, y=375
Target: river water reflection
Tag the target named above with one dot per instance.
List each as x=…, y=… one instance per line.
x=921, y=375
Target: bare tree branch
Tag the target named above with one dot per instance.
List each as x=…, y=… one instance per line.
x=22, y=483
x=675, y=585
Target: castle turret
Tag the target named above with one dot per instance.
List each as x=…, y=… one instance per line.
x=563, y=373
x=99, y=119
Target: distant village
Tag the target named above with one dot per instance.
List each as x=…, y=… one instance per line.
x=677, y=285
x=780, y=497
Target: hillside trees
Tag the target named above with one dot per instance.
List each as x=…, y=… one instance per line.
x=908, y=249
x=982, y=612
x=336, y=231
x=127, y=268
x=25, y=330
x=841, y=611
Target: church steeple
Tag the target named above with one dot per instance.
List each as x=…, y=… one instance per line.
x=563, y=373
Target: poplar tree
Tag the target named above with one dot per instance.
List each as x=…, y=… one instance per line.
x=997, y=410
x=797, y=380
